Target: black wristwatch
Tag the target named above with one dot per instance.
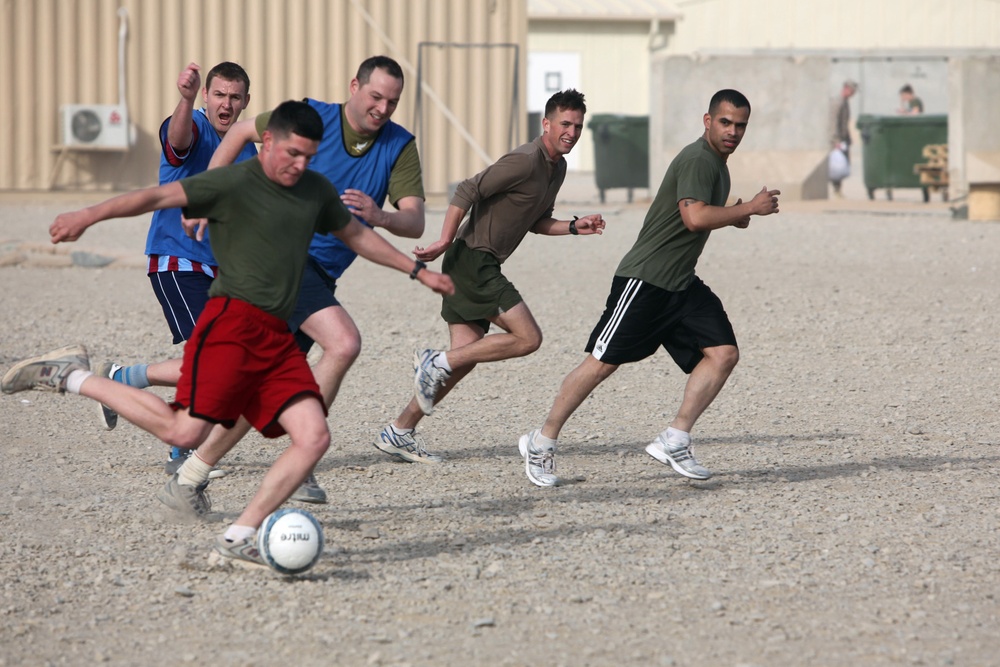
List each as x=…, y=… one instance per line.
x=416, y=269
x=572, y=226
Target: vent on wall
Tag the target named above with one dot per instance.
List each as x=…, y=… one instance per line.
x=95, y=125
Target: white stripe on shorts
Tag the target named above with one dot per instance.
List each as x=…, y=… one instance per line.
x=172, y=276
x=624, y=301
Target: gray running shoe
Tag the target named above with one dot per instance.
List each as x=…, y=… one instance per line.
x=47, y=372
x=191, y=501
x=310, y=491
x=244, y=550
x=539, y=461
x=677, y=456
x=109, y=418
x=404, y=446
x=427, y=378
x=173, y=466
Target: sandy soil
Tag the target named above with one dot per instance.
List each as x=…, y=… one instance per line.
x=852, y=520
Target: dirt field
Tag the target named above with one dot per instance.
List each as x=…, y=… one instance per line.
x=852, y=520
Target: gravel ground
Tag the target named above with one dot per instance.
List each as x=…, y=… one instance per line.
x=852, y=518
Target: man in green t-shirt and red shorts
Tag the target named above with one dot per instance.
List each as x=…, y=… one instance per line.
x=657, y=300
x=241, y=358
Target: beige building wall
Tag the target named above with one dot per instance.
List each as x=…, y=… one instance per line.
x=744, y=25
x=56, y=52
x=614, y=67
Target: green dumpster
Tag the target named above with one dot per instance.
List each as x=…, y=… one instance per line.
x=893, y=146
x=621, y=151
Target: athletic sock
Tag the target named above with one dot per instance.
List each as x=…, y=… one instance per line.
x=675, y=436
x=194, y=471
x=441, y=361
x=239, y=533
x=75, y=379
x=400, y=431
x=133, y=376
x=540, y=441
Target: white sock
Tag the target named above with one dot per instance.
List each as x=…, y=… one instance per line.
x=675, y=436
x=542, y=443
x=441, y=361
x=75, y=379
x=400, y=431
x=194, y=471
x=239, y=533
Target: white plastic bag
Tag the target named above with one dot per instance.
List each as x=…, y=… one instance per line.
x=838, y=166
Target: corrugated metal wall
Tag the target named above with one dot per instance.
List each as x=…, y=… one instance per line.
x=55, y=52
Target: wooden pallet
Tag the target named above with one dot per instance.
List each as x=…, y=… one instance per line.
x=934, y=172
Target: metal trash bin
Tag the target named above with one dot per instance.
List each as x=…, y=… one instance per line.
x=621, y=152
x=893, y=146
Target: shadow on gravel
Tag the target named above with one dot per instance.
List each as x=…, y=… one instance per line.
x=498, y=542
x=853, y=469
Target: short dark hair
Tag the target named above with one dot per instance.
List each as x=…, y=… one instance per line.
x=906, y=89
x=369, y=65
x=734, y=97
x=565, y=99
x=230, y=72
x=294, y=117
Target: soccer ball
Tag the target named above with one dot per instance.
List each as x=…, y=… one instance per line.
x=290, y=541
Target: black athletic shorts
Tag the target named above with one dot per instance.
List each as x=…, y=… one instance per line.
x=182, y=296
x=639, y=317
x=315, y=294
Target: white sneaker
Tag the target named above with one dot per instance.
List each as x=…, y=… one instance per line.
x=539, y=461
x=427, y=378
x=404, y=446
x=677, y=456
x=47, y=372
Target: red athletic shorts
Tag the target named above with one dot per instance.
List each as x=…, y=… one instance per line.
x=242, y=361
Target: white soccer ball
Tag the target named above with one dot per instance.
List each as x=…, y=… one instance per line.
x=290, y=541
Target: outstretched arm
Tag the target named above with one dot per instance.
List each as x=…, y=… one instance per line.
x=588, y=224
x=374, y=248
x=70, y=226
x=238, y=136
x=699, y=216
x=452, y=219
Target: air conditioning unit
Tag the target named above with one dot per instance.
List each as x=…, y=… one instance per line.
x=95, y=125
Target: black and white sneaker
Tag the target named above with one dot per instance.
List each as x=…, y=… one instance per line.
x=108, y=417
x=539, y=461
x=404, y=446
x=427, y=378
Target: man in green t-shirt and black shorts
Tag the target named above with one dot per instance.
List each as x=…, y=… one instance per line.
x=656, y=298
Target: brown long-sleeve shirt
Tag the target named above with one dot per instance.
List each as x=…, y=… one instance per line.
x=508, y=197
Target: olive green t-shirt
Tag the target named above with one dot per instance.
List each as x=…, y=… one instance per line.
x=260, y=230
x=666, y=252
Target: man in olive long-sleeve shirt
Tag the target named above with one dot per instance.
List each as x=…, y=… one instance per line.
x=508, y=199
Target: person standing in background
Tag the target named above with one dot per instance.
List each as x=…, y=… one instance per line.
x=909, y=103
x=842, y=127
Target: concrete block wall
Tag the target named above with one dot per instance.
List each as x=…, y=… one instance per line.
x=788, y=138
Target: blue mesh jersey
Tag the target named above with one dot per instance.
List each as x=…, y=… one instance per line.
x=168, y=246
x=368, y=173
